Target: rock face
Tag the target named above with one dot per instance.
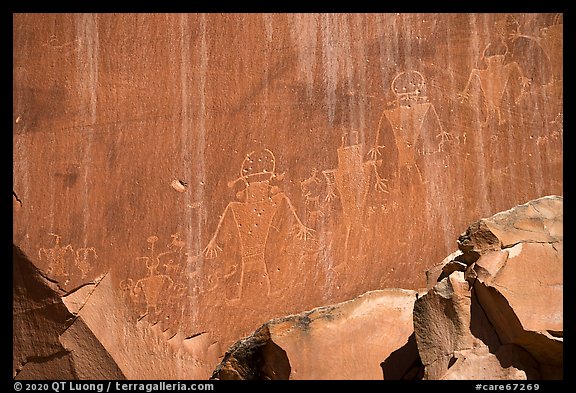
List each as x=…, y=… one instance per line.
x=494, y=313
x=50, y=340
x=506, y=311
x=349, y=340
x=258, y=165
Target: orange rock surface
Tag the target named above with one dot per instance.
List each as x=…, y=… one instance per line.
x=202, y=174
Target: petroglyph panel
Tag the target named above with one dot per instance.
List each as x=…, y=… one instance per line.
x=64, y=261
x=250, y=166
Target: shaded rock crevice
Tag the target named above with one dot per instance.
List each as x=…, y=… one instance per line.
x=404, y=363
x=16, y=198
x=256, y=357
x=49, y=341
x=514, y=274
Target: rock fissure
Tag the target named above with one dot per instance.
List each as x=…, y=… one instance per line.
x=41, y=359
x=16, y=197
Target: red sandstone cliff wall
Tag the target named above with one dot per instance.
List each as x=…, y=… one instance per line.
x=325, y=156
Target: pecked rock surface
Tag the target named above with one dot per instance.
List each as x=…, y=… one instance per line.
x=349, y=340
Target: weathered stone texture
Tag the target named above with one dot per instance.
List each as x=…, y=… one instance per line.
x=256, y=165
x=498, y=318
x=349, y=340
x=514, y=281
x=51, y=341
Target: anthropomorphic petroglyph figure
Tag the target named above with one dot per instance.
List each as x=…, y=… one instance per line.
x=352, y=180
x=82, y=259
x=258, y=204
x=56, y=257
x=408, y=117
x=154, y=286
x=313, y=189
x=493, y=80
x=535, y=43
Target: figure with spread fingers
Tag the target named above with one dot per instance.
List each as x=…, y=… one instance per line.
x=493, y=80
x=352, y=179
x=258, y=204
x=410, y=117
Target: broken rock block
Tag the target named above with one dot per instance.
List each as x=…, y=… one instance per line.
x=456, y=341
x=50, y=341
x=520, y=286
x=502, y=318
x=349, y=340
x=537, y=221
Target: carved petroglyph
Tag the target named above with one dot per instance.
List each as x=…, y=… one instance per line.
x=253, y=215
x=352, y=180
x=82, y=259
x=532, y=43
x=161, y=280
x=558, y=124
x=55, y=43
x=56, y=256
x=152, y=285
x=61, y=258
x=407, y=119
x=493, y=80
x=176, y=244
x=315, y=202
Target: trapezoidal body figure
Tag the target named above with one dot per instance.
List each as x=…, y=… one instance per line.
x=494, y=80
x=352, y=179
x=58, y=257
x=61, y=259
x=408, y=120
x=259, y=202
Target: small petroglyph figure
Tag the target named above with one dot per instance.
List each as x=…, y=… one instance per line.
x=176, y=244
x=352, y=180
x=407, y=118
x=82, y=259
x=258, y=204
x=493, y=80
x=155, y=285
x=57, y=256
x=152, y=285
x=312, y=190
x=62, y=258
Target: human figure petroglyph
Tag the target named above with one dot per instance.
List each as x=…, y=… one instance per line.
x=56, y=256
x=60, y=258
x=407, y=118
x=152, y=285
x=493, y=80
x=155, y=283
x=82, y=258
x=258, y=204
x=312, y=190
x=352, y=180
